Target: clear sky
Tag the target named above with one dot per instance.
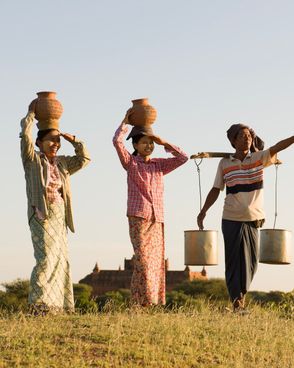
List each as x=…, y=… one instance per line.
x=203, y=64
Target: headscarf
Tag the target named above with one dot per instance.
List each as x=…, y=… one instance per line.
x=257, y=143
x=136, y=130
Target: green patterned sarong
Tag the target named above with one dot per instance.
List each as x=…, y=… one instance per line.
x=51, y=283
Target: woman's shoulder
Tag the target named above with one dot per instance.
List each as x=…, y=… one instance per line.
x=158, y=159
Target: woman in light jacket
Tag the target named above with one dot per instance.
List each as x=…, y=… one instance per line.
x=49, y=213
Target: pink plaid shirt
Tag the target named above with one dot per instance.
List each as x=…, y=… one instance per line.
x=54, y=185
x=145, y=179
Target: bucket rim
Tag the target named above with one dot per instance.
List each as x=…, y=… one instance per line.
x=289, y=231
x=201, y=264
x=201, y=231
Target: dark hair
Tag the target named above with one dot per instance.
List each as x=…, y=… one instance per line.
x=135, y=139
x=41, y=135
x=232, y=132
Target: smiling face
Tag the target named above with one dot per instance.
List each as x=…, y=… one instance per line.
x=50, y=144
x=243, y=140
x=145, y=146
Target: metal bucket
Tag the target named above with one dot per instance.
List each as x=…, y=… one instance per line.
x=201, y=247
x=275, y=246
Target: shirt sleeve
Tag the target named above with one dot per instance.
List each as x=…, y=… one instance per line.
x=26, y=142
x=266, y=158
x=118, y=142
x=79, y=160
x=170, y=164
x=219, y=177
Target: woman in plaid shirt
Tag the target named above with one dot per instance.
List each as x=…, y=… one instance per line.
x=145, y=209
x=49, y=213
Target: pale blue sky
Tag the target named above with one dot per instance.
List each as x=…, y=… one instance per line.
x=203, y=64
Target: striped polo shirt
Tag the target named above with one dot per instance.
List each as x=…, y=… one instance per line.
x=244, y=185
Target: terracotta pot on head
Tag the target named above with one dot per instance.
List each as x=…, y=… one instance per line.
x=142, y=113
x=48, y=110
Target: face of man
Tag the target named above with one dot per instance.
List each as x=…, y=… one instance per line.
x=50, y=144
x=243, y=140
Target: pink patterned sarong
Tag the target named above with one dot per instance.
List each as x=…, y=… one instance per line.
x=148, y=280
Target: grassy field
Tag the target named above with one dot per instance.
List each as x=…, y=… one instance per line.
x=204, y=337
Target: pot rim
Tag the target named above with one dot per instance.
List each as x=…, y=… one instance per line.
x=140, y=99
x=48, y=93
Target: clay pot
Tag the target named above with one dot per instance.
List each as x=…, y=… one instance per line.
x=142, y=113
x=48, y=110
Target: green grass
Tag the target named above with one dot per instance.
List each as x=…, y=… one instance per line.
x=204, y=337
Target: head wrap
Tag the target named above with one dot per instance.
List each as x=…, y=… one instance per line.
x=232, y=132
x=145, y=130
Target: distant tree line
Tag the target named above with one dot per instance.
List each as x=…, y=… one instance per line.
x=15, y=296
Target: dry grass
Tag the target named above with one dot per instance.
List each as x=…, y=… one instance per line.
x=207, y=337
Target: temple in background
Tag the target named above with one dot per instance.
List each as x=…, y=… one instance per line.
x=109, y=280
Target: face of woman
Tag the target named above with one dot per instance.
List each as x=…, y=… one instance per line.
x=50, y=144
x=243, y=140
x=145, y=146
